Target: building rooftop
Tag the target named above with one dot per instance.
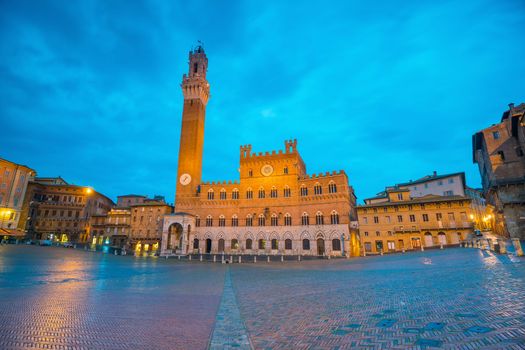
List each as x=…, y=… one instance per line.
x=419, y=200
x=432, y=177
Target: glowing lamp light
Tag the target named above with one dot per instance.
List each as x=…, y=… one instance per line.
x=471, y=217
x=89, y=190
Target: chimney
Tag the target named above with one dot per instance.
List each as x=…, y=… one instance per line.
x=435, y=173
x=511, y=106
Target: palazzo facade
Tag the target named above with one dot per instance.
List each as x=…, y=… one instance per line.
x=274, y=208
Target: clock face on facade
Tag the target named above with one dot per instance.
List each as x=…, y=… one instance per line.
x=267, y=170
x=185, y=179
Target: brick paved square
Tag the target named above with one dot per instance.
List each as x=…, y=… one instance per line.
x=60, y=298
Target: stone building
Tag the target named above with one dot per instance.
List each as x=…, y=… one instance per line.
x=398, y=222
x=146, y=225
x=499, y=152
x=446, y=185
x=60, y=211
x=275, y=207
x=13, y=185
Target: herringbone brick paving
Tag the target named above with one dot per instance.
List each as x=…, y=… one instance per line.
x=54, y=298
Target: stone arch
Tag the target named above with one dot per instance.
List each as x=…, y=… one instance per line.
x=175, y=231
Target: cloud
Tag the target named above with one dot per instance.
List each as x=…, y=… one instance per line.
x=90, y=91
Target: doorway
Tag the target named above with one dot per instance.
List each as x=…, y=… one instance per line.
x=208, y=246
x=320, y=246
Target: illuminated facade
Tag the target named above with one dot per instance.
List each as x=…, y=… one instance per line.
x=274, y=208
x=59, y=211
x=398, y=222
x=13, y=185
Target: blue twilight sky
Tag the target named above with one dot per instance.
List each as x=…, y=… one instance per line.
x=89, y=90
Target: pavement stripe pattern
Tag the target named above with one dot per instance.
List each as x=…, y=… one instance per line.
x=230, y=331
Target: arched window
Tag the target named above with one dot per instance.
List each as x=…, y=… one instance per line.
x=235, y=220
x=275, y=220
x=287, y=192
x=262, y=220
x=305, y=219
x=197, y=221
x=319, y=218
x=195, y=243
x=332, y=187
x=262, y=243
x=211, y=194
x=334, y=218
x=249, y=193
x=288, y=244
x=273, y=192
x=221, y=245
x=318, y=189
x=234, y=244
x=249, y=220
x=222, y=221
x=336, y=244
x=306, y=244
x=235, y=194
x=274, y=244
x=209, y=221
x=249, y=244
x=304, y=190
x=287, y=219
x=222, y=194
x=262, y=194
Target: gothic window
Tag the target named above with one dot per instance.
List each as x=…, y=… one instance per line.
x=261, y=193
x=275, y=220
x=273, y=192
x=209, y=221
x=197, y=221
x=249, y=220
x=222, y=221
x=305, y=219
x=319, y=218
x=250, y=173
x=196, y=243
x=332, y=188
x=222, y=194
x=262, y=220
x=285, y=170
x=248, y=243
x=318, y=189
x=334, y=218
x=234, y=244
x=262, y=243
x=235, y=221
x=336, y=244
x=287, y=219
x=286, y=191
x=274, y=244
x=211, y=194
x=304, y=190
x=288, y=244
x=306, y=244
x=249, y=193
x=235, y=194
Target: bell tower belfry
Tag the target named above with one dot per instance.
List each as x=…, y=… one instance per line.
x=196, y=91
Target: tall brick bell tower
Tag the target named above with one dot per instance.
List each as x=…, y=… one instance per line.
x=196, y=90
